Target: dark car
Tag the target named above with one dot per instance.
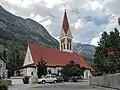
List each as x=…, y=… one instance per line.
x=60, y=79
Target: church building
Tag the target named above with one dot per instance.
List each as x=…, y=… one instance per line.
x=56, y=59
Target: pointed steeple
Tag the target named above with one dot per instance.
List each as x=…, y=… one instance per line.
x=66, y=36
x=65, y=25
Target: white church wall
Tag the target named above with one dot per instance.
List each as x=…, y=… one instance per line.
x=25, y=72
x=54, y=69
x=28, y=71
x=87, y=74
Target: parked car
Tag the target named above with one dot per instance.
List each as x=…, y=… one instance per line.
x=60, y=79
x=48, y=79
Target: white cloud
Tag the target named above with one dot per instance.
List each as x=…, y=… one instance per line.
x=46, y=23
x=95, y=5
x=32, y=15
x=95, y=41
x=38, y=18
x=51, y=3
x=79, y=24
x=14, y=2
x=50, y=14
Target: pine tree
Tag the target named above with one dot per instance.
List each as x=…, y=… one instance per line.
x=71, y=69
x=107, y=56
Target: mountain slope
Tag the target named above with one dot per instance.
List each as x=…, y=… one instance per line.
x=86, y=50
x=23, y=30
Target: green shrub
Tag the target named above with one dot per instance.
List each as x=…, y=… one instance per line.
x=7, y=82
x=3, y=86
x=66, y=79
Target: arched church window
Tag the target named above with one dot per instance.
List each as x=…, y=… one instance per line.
x=61, y=47
x=67, y=46
x=64, y=46
x=70, y=46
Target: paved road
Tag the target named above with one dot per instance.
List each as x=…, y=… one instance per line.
x=62, y=86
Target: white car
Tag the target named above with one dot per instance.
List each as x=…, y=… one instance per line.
x=48, y=79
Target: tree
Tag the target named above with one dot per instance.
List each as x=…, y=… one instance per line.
x=41, y=67
x=106, y=58
x=71, y=69
x=14, y=53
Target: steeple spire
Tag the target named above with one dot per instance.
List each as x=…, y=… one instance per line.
x=119, y=21
x=66, y=36
x=65, y=25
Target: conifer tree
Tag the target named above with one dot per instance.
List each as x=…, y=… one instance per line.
x=107, y=56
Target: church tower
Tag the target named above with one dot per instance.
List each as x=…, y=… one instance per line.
x=66, y=36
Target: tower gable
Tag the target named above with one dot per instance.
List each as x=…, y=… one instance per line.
x=69, y=34
x=62, y=33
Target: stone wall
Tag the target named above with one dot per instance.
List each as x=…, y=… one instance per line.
x=17, y=80
x=107, y=81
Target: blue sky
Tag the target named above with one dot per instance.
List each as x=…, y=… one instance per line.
x=87, y=18
x=103, y=20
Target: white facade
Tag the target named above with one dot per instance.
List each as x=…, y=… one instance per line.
x=54, y=70
x=29, y=71
x=87, y=74
x=3, y=70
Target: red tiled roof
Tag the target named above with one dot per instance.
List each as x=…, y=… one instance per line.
x=65, y=25
x=55, y=57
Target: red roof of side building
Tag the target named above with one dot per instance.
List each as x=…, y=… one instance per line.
x=55, y=57
x=65, y=25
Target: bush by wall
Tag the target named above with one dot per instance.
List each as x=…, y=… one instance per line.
x=3, y=86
